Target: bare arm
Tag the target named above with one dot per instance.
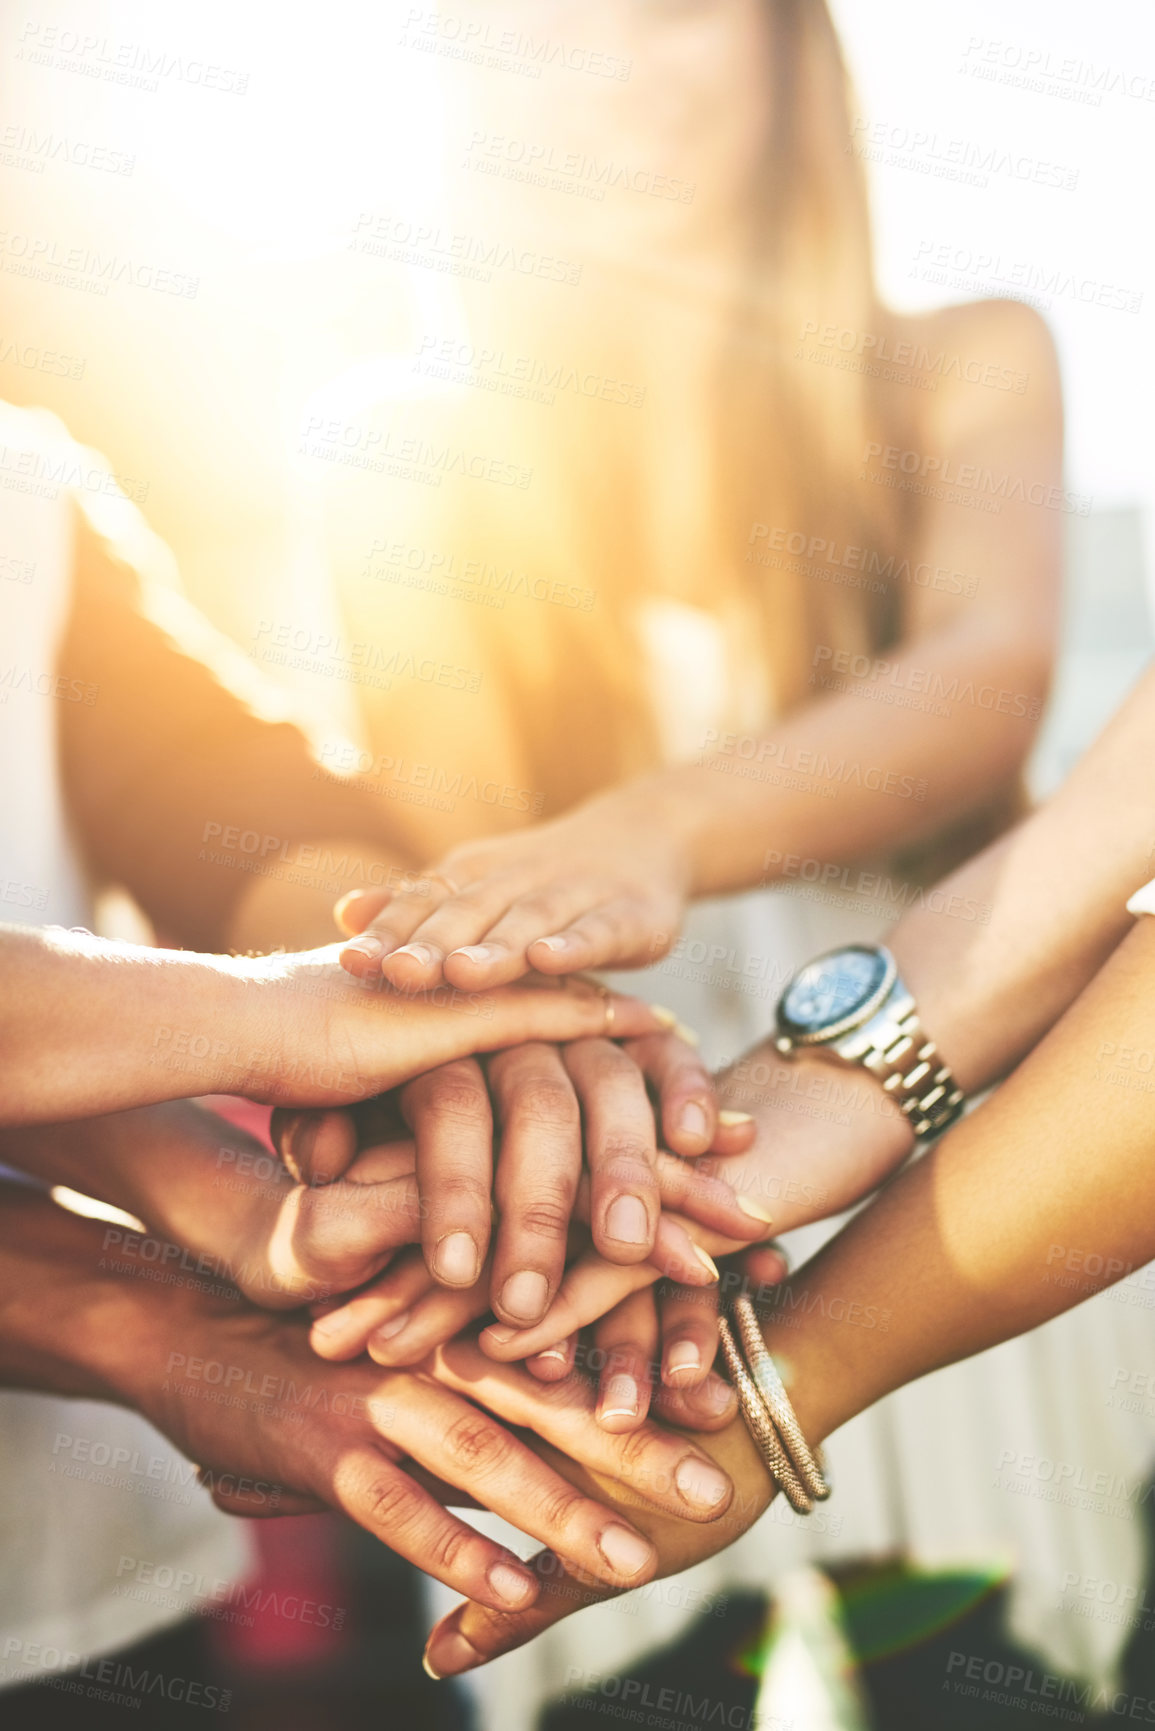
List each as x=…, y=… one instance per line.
x=958, y=1252
x=885, y=753
x=90, y=1026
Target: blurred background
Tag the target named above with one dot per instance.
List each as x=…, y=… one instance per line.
x=338, y=291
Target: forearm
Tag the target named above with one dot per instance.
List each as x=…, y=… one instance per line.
x=851, y=773
x=64, y=1324
x=1050, y=905
x=89, y=1026
x=186, y=1173
x=958, y=1254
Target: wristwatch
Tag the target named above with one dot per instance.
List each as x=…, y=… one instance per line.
x=853, y=1005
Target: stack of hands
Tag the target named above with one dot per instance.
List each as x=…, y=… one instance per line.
x=492, y=1284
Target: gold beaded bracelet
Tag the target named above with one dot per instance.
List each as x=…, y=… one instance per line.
x=770, y=1418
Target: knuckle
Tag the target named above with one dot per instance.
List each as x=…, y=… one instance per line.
x=635, y=1450
x=474, y=900
x=458, y=1094
x=477, y=1444
x=541, y=1101
x=606, y=1065
x=561, y=1507
x=544, y=1218
x=625, y=1160
x=392, y=1503
x=449, y=1551
x=461, y=1188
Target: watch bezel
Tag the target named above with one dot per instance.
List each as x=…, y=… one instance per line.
x=845, y=1024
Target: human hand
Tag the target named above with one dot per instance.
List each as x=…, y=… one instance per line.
x=541, y=1095
x=604, y=886
x=472, y=1634
x=94, y=1025
x=403, y=1314
x=387, y=1448
x=310, y=1035
x=800, y=1167
x=658, y=1346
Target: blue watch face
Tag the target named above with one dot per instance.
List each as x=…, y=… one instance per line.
x=832, y=987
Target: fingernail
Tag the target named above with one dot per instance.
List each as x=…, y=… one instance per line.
x=550, y=1352
x=686, y=1034
x=475, y=952
x=553, y=944
x=701, y=1482
x=367, y=945
x=499, y=1336
x=627, y=1221
x=663, y=1017
x=420, y=953
x=627, y=1553
x=682, y=1356
x=394, y=1326
x=756, y=1210
x=692, y=1121
x=448, y=1655
x=525, y=1295
x=732, y=1119
x=512, y=1585
x=620, y=1397
x=455, y=1259
x=707, y=1262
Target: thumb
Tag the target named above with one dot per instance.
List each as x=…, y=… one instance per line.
x=316, y=1146
x=472, y=1635
x=358, y=908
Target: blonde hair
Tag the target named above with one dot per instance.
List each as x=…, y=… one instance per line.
x=567, y=711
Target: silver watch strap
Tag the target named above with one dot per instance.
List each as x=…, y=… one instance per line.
x=894, y=1046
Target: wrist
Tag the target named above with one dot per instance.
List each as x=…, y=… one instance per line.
x=68, y=1325
x=660, y=810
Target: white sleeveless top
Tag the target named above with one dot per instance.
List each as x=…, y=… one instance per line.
x=83, y=1486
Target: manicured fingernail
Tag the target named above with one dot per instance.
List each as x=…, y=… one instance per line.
x=701, y=1482
x=419, y=952
x=692, y=1120
x=686, y=1034
x=731, y=1120
x=525, y=1295
x=627, y=1553
x=455, y=1259
x=367, y=945
x=756, y=1210
x=627, y=1221
x=553, y=944
x=663, y=1017
x=551, y=1352
x=475, y=952
x=514, y=1586
x=394, y=1326
x=448, y=1655
x=707, y=1262
x=682, y=1356
x=620, y=1397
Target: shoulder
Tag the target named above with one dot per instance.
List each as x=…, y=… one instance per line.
x=990, y=362
x=986, y=334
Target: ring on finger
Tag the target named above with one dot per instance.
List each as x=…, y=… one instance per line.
x=607, y=997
